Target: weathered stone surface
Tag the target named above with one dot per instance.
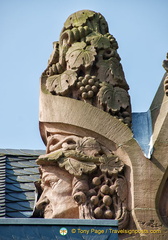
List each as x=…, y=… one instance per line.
x=56, y=200
x=99, y=186
x=85, y=119
x=85, y=66
x=77, y=113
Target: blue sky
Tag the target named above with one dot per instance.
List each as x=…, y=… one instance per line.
x=28, y=28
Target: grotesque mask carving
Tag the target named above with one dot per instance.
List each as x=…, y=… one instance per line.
x=81, y=179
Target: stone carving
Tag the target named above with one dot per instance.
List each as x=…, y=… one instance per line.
x=165, y=65
x=80, y=178
x=85, y=66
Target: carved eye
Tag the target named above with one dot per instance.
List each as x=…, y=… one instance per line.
x=46, y=183
x=52, y=184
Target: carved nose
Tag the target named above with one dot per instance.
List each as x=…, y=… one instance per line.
x=42, y=202
x=39, y=207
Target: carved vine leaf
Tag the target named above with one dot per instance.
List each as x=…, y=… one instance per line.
x=60, y=83
x=113, y=98
x=98, y=40
x=112, y=166
x=80, y=54
x=82, y=156
x=78, y=19
x=76, y=167
x=111, y=71
x=74, y=162
x=51, y=157
x=88, y=146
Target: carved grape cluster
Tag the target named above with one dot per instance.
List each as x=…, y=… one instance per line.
x=125, y=117
x=102, y=197
x=88, y=86
x=55, y=68
x=166, y=84
x=112, y=40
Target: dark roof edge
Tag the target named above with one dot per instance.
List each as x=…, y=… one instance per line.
x=21, y=152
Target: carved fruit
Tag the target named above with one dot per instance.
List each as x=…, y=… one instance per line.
x=91, y=81
x=108, y=214
x=112, y=189
x=105, y=189
x=84, y=81
x=84, y=95
x=80, y=78
x=98, y=212
x=82, y=89
x=90, y=94
x=93, y=77
x=94, y=88
x=107, y=200
x=87, y=76
x=96, y=181
x=94, y=200
x=125, y=114
x=79, y=84
x=87, y=87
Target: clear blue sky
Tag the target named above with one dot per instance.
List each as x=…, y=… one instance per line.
x=28, y=28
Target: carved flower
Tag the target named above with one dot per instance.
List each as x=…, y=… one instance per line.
x=60, y=83
x=113, y=98
x=80, y=54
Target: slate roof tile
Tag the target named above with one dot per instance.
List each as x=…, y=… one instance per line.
x=2, y=185
x=18, y=171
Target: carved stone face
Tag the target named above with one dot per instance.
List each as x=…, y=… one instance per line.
x=56, y=200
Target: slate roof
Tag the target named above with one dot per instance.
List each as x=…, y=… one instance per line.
x=18, y=171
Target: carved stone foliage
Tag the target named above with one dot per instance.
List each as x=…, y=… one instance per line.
x=85, y=66
x=165, y=65
x=99, y=187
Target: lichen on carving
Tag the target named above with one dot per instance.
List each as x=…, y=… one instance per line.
x=85, y=58
x=80, y=176
x=60, y=83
